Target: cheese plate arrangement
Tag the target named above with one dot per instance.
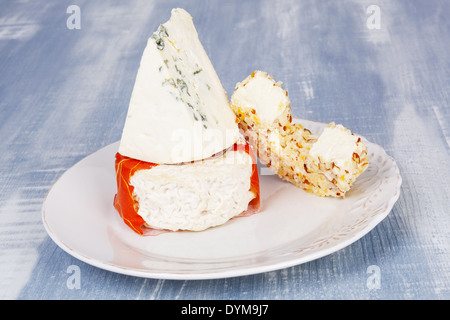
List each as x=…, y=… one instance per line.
x=200, y=187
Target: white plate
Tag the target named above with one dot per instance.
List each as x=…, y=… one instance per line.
x=293, y=226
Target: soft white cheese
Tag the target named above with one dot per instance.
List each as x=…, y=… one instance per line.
x=194, y=196
x=263, y=94
x=336, y=144
x=178, y=110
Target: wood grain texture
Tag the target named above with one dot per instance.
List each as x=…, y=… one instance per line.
x=64, y=94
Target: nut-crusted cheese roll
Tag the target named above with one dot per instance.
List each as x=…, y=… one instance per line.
x=325, y=165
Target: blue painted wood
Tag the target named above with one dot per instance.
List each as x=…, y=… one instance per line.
x=64, y=94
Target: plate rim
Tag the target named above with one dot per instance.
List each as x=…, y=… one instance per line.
x=232, y=271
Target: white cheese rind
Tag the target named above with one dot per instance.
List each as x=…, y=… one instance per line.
x=178, y=111
x=194, y=196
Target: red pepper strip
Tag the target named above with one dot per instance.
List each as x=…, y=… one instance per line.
x=124, y=201
x=255, y=204
x=128, y=207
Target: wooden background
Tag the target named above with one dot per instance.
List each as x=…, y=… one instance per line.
x=64, y=94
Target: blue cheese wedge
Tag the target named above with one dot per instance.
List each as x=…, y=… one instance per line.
x=179, y=110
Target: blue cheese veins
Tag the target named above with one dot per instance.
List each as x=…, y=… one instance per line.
x=175, y=66
x=177, y=93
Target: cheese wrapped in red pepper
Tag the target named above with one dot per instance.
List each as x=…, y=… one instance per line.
x=193, y=196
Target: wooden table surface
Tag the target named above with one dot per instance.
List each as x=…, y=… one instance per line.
x=381, y=68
